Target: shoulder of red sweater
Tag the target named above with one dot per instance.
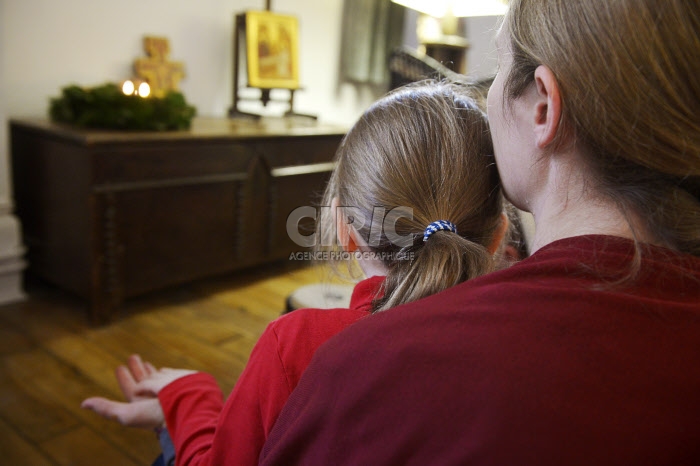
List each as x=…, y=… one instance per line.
x=315, y=317
x=362, y=296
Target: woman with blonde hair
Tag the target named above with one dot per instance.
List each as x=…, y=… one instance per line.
x=416, y=199
x=587, y=352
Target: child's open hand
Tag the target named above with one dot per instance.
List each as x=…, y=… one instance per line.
x=140, y=383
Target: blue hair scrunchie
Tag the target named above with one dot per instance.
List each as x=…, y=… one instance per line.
x=439, y=225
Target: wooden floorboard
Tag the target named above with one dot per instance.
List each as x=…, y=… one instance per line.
x=51, y=358
x=19, y=451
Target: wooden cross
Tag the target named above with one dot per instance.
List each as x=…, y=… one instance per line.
x=162, y=75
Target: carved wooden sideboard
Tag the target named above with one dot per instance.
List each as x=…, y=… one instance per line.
x=110, y=215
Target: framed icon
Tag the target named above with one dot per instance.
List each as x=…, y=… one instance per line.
x=272, y=50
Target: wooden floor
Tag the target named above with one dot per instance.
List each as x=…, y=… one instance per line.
x=52, y=359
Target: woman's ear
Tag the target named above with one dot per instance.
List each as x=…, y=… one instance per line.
x=548, y=106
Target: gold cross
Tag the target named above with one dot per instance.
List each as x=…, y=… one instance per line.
x=162, y=75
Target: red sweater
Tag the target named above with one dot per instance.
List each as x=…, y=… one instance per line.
x=544, y=363
x=207, y=431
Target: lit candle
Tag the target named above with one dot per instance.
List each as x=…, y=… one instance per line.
x=144, y=89
x=128, y=87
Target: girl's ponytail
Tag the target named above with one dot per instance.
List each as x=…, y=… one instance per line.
x=445, y=260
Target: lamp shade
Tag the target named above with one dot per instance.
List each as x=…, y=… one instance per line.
x=441, y=8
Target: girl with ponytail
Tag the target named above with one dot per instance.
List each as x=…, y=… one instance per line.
x=426, y=149
x=424, y=152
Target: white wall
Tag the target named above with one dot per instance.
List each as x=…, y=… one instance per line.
x=49, y=44
x=481, y=57
x=4, y=188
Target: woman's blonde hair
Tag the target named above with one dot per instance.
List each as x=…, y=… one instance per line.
x=424, y=147
x=628, y=75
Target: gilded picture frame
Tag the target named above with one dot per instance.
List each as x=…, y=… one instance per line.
x=272, y=50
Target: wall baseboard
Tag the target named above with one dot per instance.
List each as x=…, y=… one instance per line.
x=12, y=262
